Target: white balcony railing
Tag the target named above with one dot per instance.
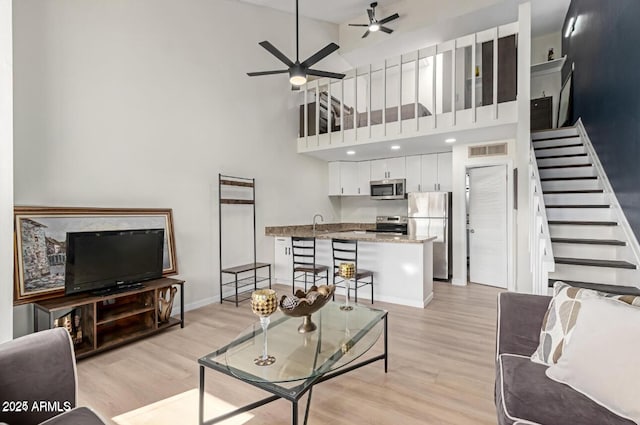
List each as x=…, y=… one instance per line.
x=458, y=84
x=541, y=251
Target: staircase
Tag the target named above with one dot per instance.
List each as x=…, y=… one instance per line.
x=590, y=245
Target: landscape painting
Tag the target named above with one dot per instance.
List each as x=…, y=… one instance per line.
x=40, y=235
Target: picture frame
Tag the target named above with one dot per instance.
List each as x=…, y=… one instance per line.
x=564, y=102
x=39, y=242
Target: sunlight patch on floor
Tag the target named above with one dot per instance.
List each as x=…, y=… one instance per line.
x=181, y=409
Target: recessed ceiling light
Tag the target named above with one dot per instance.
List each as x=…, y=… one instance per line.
x=451, y=140
x=395, y=147
x=351, y=152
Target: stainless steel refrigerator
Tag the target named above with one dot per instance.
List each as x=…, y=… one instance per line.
x=430, y=215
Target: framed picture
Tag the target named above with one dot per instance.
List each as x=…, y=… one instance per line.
x=564, y=105
x=40, y=237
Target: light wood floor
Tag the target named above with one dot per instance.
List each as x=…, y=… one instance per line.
x=441, y=367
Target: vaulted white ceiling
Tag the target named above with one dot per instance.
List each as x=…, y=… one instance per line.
x=548, y=15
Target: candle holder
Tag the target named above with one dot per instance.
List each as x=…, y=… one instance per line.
x=347, y=271
x=264, y=303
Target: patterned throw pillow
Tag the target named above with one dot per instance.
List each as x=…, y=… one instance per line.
x=561, y=317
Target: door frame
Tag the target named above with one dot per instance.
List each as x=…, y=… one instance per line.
x=511, y=212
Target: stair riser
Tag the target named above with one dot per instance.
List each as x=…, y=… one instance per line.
x=585, y=274
x=576, y=199
x=568, y=172
x=608, y=252
x=560, y=151
x=571, y=185
x=587, y=232
x=580, y=214
x=563, y=132
x=556, y=142
x=572, y=160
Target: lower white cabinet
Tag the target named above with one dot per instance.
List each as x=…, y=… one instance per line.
x=283, y=267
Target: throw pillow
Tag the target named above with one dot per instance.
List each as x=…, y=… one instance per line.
x=561, y=317
x=611, y=376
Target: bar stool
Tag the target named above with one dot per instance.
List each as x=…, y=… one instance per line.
x=303, y=251
x=346, y=251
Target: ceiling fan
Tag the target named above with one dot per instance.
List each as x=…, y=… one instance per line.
x=299, y=71
x=374, y=24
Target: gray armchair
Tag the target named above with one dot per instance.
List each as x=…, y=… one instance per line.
x=38, y=382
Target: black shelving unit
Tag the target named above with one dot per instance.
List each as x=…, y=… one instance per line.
x=242, y=286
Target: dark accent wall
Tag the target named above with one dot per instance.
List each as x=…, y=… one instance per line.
x=605, y=48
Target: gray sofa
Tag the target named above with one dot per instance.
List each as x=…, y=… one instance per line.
x=523, y=393
x=38, y=382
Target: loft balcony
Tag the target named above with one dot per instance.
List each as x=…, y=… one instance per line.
x=469, y=83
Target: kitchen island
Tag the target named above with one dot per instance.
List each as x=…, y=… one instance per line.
x=402, y=265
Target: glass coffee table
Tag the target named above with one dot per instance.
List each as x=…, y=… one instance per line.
x=302, y=359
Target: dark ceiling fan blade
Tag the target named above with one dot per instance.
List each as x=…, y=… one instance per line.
x=358, y=25
x=321, y=54
x=325, y=74
x=257, y=74
x=366, y=34
x=388, y=19
x=385, y=29
x=371, y=14
x=277, y=53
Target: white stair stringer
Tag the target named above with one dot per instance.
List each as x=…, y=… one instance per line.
x=583, y=195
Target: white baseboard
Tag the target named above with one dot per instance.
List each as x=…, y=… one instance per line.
x=201, y=303
x=458, y=282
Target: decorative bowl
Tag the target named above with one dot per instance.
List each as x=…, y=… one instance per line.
x=304, y=305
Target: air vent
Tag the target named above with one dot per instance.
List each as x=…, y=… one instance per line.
x=488, y=150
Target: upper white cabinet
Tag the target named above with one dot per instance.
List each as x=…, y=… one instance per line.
x=390, y=168
x=349, y=178
x=413, y=173
x=436, y=172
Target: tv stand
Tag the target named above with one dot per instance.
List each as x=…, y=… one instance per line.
x=118, y=289
x=113, y=319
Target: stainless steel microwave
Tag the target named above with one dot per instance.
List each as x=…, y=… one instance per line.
x=388, y=189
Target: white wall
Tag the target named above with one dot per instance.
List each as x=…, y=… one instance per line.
x=540, y=47
x=461, y=163
x=6, y=172
x=142, y=103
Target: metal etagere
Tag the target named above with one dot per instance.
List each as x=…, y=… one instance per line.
x=242, y=286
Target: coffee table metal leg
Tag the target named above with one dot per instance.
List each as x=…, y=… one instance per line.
x=386, y=344
x=306, y=411
x=294, y=412
x=201, y=397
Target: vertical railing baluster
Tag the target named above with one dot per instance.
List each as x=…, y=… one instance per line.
x=495, y=74
x=474, y=66
x=417, y=91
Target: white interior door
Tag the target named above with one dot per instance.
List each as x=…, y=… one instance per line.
x=488, y=225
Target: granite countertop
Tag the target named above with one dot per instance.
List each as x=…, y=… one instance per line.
x=350, y=231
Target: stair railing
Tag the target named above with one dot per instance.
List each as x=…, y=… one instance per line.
x=541, y=252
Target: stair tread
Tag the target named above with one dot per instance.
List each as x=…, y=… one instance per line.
x=579, y=206
x=551, y=167
x=571, y=155
x=618, y=264
x=574, y=145
x=589, y=241
x=603, y=287
x=548, y=179
x=584, y=223
x=550, y=192
x=556, y=138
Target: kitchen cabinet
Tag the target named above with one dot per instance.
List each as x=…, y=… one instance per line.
x=390, y=168
x=283, y=267
x=436, y=171
x=414, y=173
x=349, y=178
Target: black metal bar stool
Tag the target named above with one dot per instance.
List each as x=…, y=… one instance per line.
x=346, y=251
x=304, y=263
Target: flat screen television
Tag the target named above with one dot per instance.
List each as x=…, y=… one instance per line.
x=105, y=260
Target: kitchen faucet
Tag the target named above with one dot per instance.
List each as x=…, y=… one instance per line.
x=314, y=222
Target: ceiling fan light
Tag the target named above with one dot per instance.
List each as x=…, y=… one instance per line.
x=374, y=27
x=298, y=80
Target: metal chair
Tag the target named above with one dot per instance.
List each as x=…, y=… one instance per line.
x=304, y=263
x=346, y=251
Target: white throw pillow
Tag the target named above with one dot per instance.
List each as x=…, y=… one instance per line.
x=600, y=359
